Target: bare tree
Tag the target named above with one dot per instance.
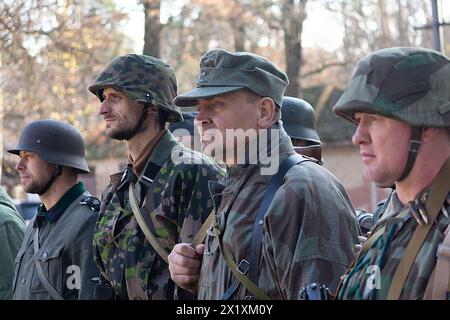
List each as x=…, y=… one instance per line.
x=153, y=27
x=292, y=17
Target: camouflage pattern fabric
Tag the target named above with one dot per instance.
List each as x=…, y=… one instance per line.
x=310, y=230
x=383, y=258
x=408, y=84
x=143, y=79
x=178, y=203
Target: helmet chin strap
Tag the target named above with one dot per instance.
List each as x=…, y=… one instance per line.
x=47, y=186
x=140, y=122
x=414, y=146
x=143, y=116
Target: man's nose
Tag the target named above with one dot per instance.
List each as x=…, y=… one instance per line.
x=360, y=136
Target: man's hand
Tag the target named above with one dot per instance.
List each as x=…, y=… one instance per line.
x=184, y=265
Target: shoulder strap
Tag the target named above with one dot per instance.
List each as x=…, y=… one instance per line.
x=44, y=280
x=162, y=252
x=146, y=181
x=250, y=266
x=438, y=193
x=239, y=273
x=201, y=234
x=438, y=286
x=257, y=232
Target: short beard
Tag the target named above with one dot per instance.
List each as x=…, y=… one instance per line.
x=32, y=188
x=121, y=135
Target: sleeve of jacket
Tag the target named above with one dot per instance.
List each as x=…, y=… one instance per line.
x=83, y=257
x=310, y=232
x=11, y=237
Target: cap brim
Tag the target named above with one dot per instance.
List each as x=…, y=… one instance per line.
x=14, y=151
x=190, y=98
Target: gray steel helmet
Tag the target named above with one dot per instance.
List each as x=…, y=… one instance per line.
x=55, y=142
x=299, y=119
x=143, y=79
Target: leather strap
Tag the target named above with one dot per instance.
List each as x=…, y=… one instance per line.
x=162, y=252
x=438, y=193
x=257, y=232
x=248, y=284
x=44, y=280
x=252, y=264
x=439, y=283
x=201, y=234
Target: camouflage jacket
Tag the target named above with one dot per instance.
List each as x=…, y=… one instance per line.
x=310, y=230
x=65, y=249
x=178, y=203
x=383, y=258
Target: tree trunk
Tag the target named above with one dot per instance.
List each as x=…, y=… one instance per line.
x=293, y=15
x=152, y=36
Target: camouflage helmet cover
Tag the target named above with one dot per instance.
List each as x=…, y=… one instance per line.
x=143, y=79
x=55, y=142
x=408, y=84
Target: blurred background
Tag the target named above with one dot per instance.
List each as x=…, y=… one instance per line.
x=51, y=49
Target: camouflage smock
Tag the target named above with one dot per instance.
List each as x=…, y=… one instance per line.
x=386, y=253
x=178, y=202
x=310, y=230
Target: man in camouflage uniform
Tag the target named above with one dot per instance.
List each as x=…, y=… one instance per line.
x=309, y=230
x=399, y=99
x=55, y=260
x=136, y=94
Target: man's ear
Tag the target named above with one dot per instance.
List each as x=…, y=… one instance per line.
x=266, y=113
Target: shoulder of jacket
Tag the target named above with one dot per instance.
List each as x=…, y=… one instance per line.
x=92, y=202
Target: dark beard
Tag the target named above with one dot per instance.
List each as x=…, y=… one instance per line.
x=122, y=134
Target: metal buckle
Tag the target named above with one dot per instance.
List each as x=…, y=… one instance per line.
x=243, y=266
x=414, y=145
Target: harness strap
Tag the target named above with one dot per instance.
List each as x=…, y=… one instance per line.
x=438, y=287
x=251, y=265
x=438, y=193
x=162, y=252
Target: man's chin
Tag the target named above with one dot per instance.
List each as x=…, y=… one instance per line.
x=31, y=189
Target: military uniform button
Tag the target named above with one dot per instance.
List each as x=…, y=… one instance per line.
x=23, y=280
x=44, y=255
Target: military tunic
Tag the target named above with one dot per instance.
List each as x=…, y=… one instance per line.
x=177, y=202
x=383, y=258
x=65, y=249
x=310, y=230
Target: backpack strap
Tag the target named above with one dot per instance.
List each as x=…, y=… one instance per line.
x=251, y=265
x=438, y=193
x=438, y=287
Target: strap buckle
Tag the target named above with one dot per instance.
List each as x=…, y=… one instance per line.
x=414, y=145
x=243, y=266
